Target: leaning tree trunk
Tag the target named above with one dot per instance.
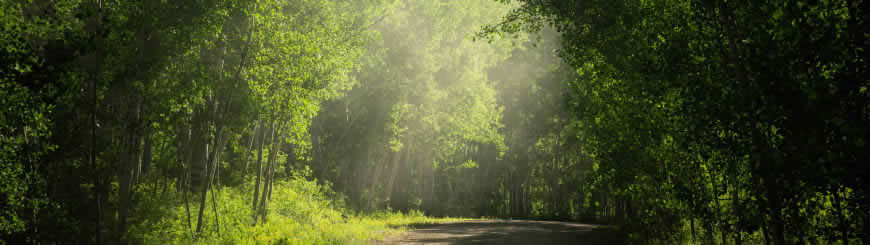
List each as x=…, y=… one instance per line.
x=203, y=191
x=212, y=162
x=273, y=156
x=184, y=193
x=220, y=143
x=260, y=171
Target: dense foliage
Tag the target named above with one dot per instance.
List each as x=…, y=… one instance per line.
x=105, y=100
x=730, y=117
x=217, y=121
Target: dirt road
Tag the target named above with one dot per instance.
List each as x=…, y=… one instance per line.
x=510, y=232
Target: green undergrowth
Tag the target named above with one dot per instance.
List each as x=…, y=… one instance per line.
x=299, y=212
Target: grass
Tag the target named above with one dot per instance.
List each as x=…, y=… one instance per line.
x=300, y=212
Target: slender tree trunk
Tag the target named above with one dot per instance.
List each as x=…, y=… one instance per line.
x=554, y=178
x=273, y=155
x=203, y=197
x=261, y=210
x=215, y=166
x=247, y=156
x=510, y=189
x=146, y=152
x=217, y=220
x=260, y=170
x=506, y=197
x=267, y=190
x=271, y=181
x=527, y=204
x=516, y=199
x=519, y=195
x=95, y=79
x=211, y=170
x=187, y=208
x=93, y=160
x=212, y=161
x=127, y=176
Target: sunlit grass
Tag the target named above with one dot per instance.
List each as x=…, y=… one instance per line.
x=299, y=213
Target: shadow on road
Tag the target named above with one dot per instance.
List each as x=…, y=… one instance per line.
x=510, y=232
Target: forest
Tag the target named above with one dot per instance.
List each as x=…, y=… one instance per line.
x=355, y=121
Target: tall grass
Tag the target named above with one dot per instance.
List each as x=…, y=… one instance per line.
x=299, y=212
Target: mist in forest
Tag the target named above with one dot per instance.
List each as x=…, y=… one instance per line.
x=442, y=123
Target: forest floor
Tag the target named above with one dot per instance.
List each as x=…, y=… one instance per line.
x=508, y=232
